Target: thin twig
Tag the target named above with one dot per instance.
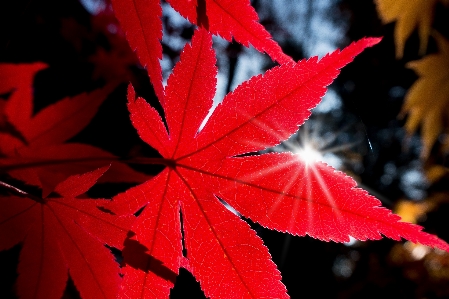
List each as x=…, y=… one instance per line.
x=20, y=192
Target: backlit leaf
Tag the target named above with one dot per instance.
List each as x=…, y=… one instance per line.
x=39, y=140
x=280, y=191
x=57, y=243
x=408, y=15
x=427, y=101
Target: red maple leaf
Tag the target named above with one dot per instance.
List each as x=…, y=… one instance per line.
x=63, y=233
x=141, y=21
x=231, y=19
x=280, y=191
x=39, y=140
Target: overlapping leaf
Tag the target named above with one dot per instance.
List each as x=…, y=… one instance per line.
x=140, y=19
x=54, y=236
x=280, y=191
x=40, y=139
x=231, y=19
x=408, y=16
x=427, y=101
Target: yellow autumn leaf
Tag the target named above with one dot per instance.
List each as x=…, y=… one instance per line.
x=411, y=211
x=408, y=16
x=427, y=101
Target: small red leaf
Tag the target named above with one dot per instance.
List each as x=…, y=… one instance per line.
x=36, y=153
x=57, y=236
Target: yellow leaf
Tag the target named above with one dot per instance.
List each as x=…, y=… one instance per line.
x=427, y=101
x=408, y=16
x=414, y=211
x=411, y=211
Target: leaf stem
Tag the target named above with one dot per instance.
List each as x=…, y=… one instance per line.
x=21, y=193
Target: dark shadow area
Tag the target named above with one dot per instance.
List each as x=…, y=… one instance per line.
x=202, y=19
x=135, y=255
x=186, y=287
x=70, y=291
x=8, y=273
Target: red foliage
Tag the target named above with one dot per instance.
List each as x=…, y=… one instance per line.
x=208, y=170
x=40, y=139
x=54, y=233
x=231, y=19
x=203, y=168
x=141, y=20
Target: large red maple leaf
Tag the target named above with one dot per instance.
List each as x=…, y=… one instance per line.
x=63, y=233
x=40, y=140
x=141, y=21
x=278, y=190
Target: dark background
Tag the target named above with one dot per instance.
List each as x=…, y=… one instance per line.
x=372, y=88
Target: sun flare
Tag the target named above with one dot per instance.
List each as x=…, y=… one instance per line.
x=309, y=154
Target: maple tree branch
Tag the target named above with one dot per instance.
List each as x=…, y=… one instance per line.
x=20, y=192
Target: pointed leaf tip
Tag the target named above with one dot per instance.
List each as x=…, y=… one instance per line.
x=78, y=184
x=371, y=41
x=131, y=93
